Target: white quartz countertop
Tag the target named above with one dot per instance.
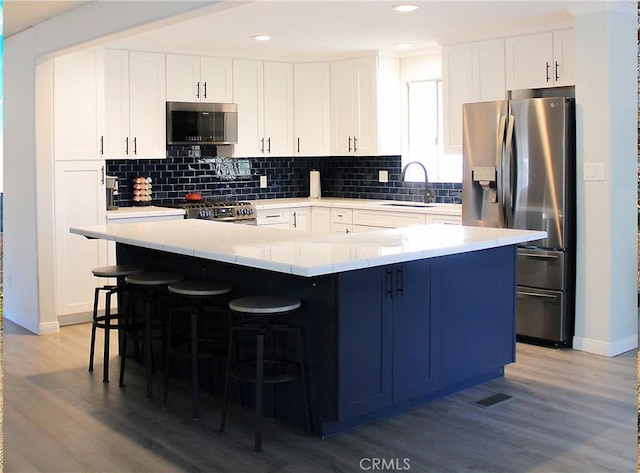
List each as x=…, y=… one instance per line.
x=143, y=211
x=392, y=205
x=301, y=253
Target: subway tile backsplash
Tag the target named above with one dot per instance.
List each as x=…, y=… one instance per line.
x=185, y=170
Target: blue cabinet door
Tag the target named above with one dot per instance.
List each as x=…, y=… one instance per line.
x=385, y=337
x=364, y=343
x=415, y=371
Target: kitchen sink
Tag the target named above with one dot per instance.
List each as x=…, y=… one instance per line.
x=410, y=204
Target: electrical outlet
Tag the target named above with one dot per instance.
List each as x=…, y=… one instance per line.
x=593, y=171
x=263, y=182
x=383, y=176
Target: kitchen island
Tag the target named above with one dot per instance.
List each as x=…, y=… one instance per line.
x=392, y=319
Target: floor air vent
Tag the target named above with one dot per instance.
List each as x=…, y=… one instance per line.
x=493, y=400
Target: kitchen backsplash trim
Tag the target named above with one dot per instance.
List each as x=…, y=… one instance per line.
x=350, y=177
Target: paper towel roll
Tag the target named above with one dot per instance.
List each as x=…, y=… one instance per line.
x=314, y=184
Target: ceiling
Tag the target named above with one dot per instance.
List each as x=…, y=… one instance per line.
x=321, y=30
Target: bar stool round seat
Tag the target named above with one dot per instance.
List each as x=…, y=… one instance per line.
x=264, y=366
x=199, y=298
x=265, y=304
x=109, y=321
x=149, y=285
x=117, y=270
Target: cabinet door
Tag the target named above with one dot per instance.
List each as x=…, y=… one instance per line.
x=364, y=343
x=366, y=111
x=78, y=105
x=278, y=109
x=342, y=108
x=564, y=57
x=312, y=105
x=248, y=94
x=216, y=77
x=529, y=61
x=415, y=371
x=489, y=77
x=320, y=220
x=147, y=111
x=183, y=78
x=457, y=88
x=116, y=92
x=79, y=199
x=300, y=219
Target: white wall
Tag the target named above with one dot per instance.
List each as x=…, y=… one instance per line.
x=28, y=245
x=606, y=98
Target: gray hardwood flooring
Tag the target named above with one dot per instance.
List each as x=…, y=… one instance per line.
x=570, y=412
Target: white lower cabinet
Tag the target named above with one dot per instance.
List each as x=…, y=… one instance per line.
x=274, y=218
x=79, y=200
x=300, y=219
x=377, y=219
x=341, y=220
x=445, y=219
x=320, y=219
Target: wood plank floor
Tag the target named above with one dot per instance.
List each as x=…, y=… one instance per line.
x=570, y=412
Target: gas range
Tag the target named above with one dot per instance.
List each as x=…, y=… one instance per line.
x=220, y=210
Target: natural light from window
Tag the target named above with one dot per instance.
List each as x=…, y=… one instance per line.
x=425, y=143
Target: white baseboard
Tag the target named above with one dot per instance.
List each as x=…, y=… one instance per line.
x=48, y=328
x=72, y=319
x=599, y=347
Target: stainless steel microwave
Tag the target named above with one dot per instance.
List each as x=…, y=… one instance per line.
x=192, y=123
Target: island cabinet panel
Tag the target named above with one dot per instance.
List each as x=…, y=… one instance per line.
x=385, y=339
x=477, y=313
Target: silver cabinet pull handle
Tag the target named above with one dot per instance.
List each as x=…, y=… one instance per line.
x=535, y=294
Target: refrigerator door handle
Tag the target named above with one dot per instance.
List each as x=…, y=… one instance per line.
x=499, y=159
x=509, y=187
x=537, y=294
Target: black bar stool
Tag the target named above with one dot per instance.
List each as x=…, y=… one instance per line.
x=195, y=296
x=109, y=321
x=149, y=287
x=261, y=370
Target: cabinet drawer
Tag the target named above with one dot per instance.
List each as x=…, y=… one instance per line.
x=342, y=216
x=387, y=219
x=540, y=268
x=445, y=219
x=341, y=227
x=272, y=216
x=540, y=313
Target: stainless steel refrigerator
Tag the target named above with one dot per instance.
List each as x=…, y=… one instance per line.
x=519, y=172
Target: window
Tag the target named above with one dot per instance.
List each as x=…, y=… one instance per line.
x=425, y=135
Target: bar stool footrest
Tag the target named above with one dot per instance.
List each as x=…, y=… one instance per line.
x=275, y=371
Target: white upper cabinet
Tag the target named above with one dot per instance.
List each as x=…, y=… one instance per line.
x=135, y=105
x=147, y=111
x=471, y=72
x=312, y=105
x=540, y=60
x=199, y=79
x=264, y=94
x=78, y=105
x=365, y=106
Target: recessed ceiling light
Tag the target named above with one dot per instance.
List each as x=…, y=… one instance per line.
x=262, y=37
x=405, y=8
x=402, y=45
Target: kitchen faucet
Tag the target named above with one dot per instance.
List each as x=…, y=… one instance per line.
x=428, y=196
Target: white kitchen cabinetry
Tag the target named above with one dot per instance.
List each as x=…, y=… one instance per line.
x=444, y=219
x=368, y=220
x=320, y=219
x=79, y=200
x=135, y=105
x=540, y=60
x=199, y=79
x=341, y=220
x=264, y=94
x=273, y=218
x=312, y=106
x=300, y=219
x=365, y=106
x=471, y=72
x=78, y=105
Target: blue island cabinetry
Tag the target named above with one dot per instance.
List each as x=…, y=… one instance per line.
x=420, y=330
